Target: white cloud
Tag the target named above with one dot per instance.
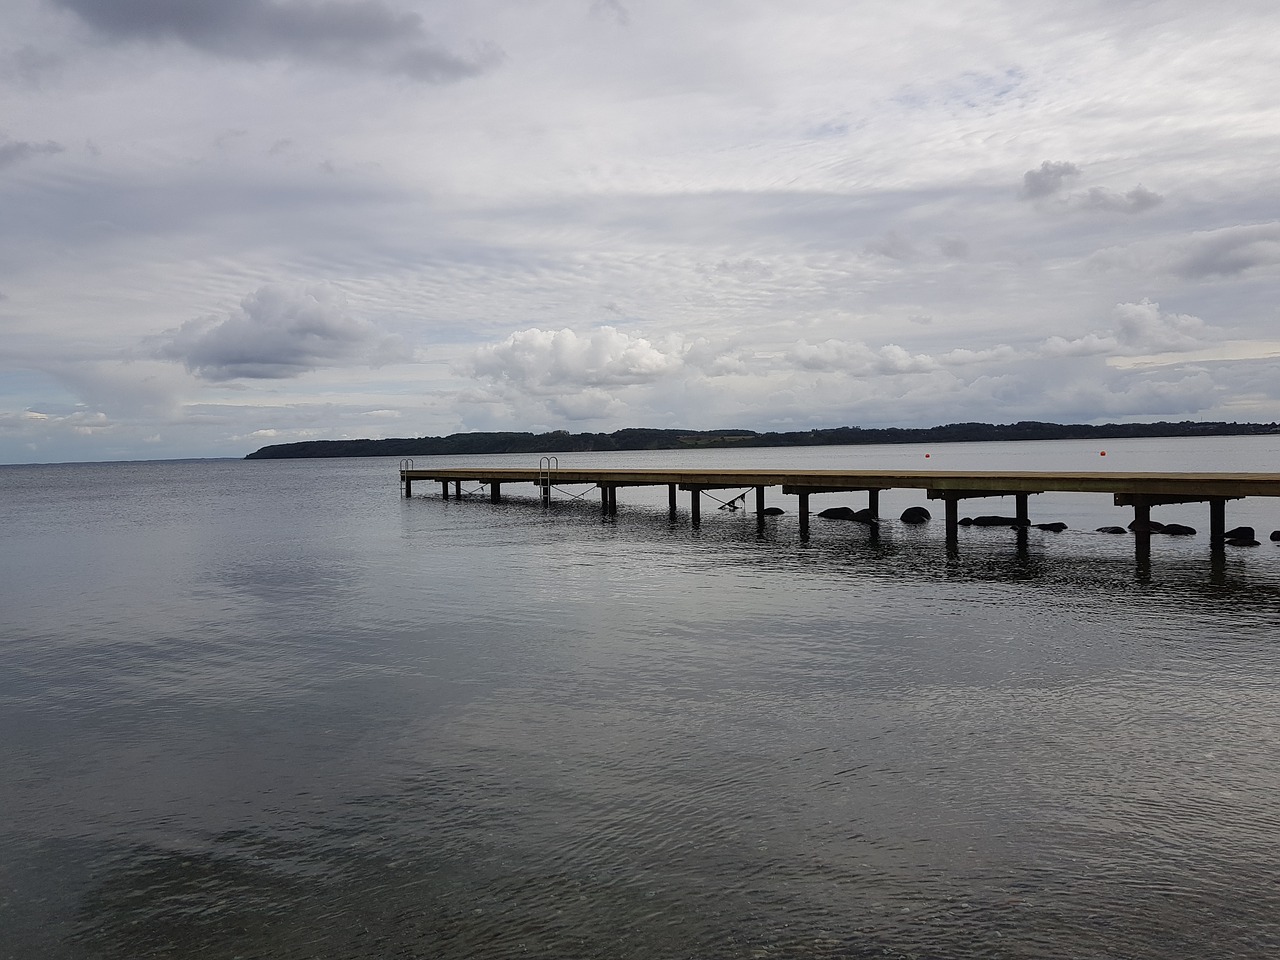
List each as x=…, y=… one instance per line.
x=561, y=361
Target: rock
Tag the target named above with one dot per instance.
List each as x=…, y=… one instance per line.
x=848, y=513
x=998, y=521
x=1149, y=526
x=1239, y=533
x=916, y=515
x=773, y=511
x=1056, y=527
x=966, y=521
x=1112, y=530
x=1275, y=536
x=1178, y=530
x=1242, y=542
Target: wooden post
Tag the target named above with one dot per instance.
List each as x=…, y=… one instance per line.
x=444, y=489
x=408, y=486
x=457, y=489
x=804, y=516
x=873, y=502
x=604, y=500
x=495, y=492
x=1217, y=523
x=759, y=503
x=953, y=517
x=671, y=499
x=1024, y=516
x=695, y=506
x=613, y=500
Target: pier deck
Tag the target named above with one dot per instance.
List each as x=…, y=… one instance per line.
x=1141, y=491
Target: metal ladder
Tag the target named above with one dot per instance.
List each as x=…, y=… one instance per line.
x=547, y=468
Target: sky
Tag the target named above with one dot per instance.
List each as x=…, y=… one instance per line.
x=225, y=225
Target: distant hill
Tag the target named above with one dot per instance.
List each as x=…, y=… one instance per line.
x=561, y=441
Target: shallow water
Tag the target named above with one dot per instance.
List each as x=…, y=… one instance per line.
x=274, y=709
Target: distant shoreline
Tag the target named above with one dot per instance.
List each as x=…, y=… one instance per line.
x=561, y=441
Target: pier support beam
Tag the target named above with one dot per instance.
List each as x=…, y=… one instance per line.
x=695, y=506
x=457, y=489
x=873, y=502
x=952, y=508
x=760, y=503
x=1217, y=523
x=804, y=516
x=671, y=500
x=1024, y=517
x=495, y=491
x=444, y=489
x=408, y=487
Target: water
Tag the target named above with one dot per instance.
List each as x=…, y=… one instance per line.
x=273, y=709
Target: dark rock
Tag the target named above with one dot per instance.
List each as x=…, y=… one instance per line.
x=1178, y=530
x=998, y=521
x=1148, y=526
x=848, y=513
x=966, y=521
x=916, y=515
x=1056, y=527
x=1275, y=535
x=1112, y=530
x=1239, y=533
x=1242, y=542
x=773, y=511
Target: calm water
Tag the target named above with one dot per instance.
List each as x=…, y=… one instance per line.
x=274, y=709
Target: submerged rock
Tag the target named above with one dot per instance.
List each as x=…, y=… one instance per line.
x=1056, y=527
x=1239, y=533
x=1178, y=530
x=848, y=513
x=994, y=520
x=1112, y=530
x=773, y=511
x=1146, y=526
x=916, y=515
x=1242, y=542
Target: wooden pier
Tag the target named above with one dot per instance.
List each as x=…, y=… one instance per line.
x=1139, y=491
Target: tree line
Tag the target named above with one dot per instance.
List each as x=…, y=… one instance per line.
x=640, y=438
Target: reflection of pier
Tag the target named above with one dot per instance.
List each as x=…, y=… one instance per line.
x=1141, y=491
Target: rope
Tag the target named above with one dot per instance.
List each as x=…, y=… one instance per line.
x=731, y=504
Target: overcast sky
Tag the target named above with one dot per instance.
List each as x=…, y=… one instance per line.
x=230, y=224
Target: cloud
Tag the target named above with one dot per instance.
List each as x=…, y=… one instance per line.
x=276, y=333
x=1230, y=251
x=1139, y=328
x=30, y=66
x=16, y=151
x=1135, y=201
x=1046, y=180
x=548, y=362
x=354, y=33
x=855, y=357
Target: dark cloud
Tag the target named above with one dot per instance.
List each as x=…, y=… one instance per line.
x=1046, y=180
x=15, y=151
x=355, y=33
x=1135, y=201
x=276, y=333
x=1231, y=251
x=29, y=66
